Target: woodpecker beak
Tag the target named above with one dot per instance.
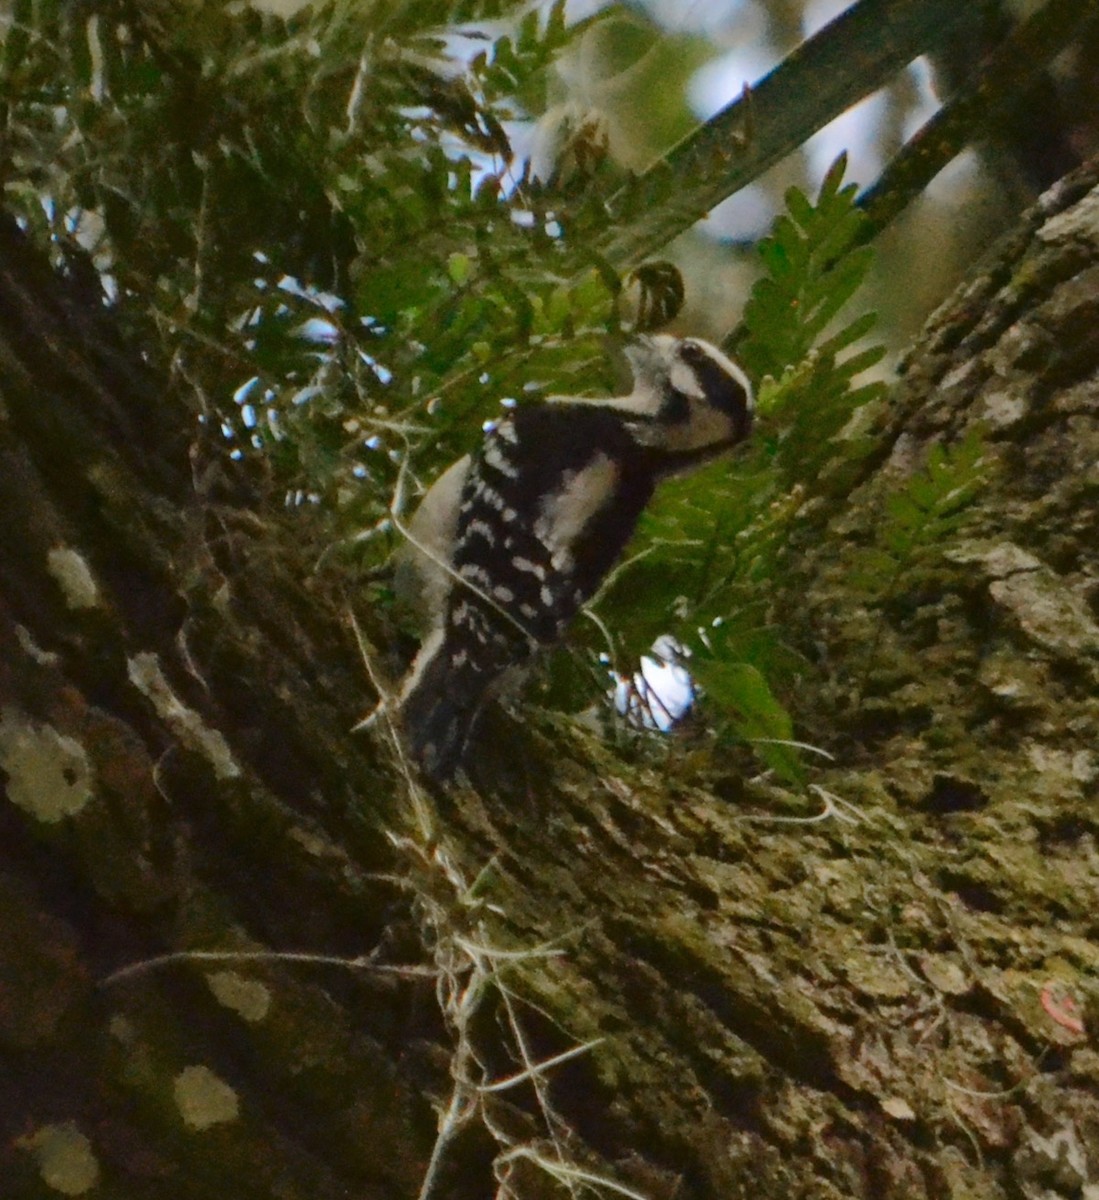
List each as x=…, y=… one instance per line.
x=647, y=361
x=637, y=353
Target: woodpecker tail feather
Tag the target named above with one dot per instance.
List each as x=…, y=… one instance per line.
x=440, y=708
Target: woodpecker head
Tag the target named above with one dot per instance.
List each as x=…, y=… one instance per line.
x=688, y=398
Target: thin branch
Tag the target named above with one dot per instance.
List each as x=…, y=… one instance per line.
x=362, y=963
x=807, y=746
x=492, y=953
x=834, y=806
x=567, y=1175
x=421, y=807
x=539, y=1068
x=459, y=1110
x=1018, y=59
x=853, y=56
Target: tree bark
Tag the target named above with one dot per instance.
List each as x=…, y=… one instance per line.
x=897, y=1000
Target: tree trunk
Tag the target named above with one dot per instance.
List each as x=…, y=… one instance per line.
x=896, y=1000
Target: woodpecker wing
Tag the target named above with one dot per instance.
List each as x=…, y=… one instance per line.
x=547, y=508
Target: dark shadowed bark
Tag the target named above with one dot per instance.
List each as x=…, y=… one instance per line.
x=897, y=1000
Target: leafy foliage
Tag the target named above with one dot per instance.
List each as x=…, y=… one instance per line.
x=815, y=265
x=328, y=207
x=352, y=266
x=933, y=504
x=713, y=544
x=347, y=259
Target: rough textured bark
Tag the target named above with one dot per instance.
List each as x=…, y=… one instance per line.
x=898, y=1000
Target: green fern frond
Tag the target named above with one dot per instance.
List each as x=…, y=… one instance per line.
x=717, y=538
x=936, y=501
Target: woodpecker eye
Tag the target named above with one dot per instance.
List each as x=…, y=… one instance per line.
x=720, y=389
x=694, y=356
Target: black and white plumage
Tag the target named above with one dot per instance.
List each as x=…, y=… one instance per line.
x=509, y=543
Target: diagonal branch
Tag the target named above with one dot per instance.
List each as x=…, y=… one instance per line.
x=988, y=96
x=854, y=55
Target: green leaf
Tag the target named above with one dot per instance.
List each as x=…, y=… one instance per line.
x=752, y=710
x=922, y=514
x=833, y=178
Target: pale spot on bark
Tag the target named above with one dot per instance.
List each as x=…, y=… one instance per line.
x=203, y=1099
x=49, y=775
